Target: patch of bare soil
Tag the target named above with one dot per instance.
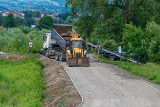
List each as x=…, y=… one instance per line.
x=13, y=56
x=60, y=91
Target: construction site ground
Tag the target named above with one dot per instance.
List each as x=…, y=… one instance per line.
x=100, y=85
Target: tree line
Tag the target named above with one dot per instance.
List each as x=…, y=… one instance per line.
x=133, y=24
x=30, y=17
x=13, y=21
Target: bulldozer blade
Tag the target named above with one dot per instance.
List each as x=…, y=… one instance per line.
x=78, y=62
x=72, y=62
x=85, y=62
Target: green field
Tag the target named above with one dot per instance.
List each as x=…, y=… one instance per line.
x=21, y=83
x=148, y=71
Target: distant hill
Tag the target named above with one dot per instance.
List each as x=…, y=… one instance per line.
x=56, y=6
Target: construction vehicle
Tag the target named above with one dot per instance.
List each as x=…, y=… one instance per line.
x=65, y=45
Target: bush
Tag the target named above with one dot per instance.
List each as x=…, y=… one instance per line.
x=134, y=43
x=104, y=34
x=15, y=40
x=153, y=40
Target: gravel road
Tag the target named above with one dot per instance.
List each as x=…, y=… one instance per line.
x=100, y=87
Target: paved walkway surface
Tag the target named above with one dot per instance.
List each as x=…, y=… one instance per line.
x=102, y=88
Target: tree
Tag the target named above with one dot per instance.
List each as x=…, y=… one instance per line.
x=69, y=20
x=58, y=20
x=135, y=43
x=64, y=16
x=46, y=22
x=84, y=25
x=19, y=21
x=16, y=39
x=29, y=14
x=141, y=11
x=9, y=21
x=38, y=14
x=1, y=19
x=29, y=21
x=108, y=30
x=103, y=21
x=153, y=43
x=157, y=12
x=32, y=14
x=86, y=7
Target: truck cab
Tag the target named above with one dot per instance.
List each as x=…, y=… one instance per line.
x=48, y=41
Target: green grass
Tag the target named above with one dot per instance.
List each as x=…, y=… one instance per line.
x=149, y=71
x=21, y=83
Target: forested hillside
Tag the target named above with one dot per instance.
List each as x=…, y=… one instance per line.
x=133, y=24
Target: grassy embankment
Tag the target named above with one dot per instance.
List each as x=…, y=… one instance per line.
x=149, y=71
x=21, y=83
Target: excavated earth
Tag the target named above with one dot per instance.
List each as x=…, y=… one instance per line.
x=60, y=91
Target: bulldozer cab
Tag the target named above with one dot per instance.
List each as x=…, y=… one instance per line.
x=76, y=44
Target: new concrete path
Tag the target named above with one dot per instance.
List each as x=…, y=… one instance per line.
x=102, y=88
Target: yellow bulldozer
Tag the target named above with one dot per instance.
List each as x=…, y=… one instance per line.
x=76, y=52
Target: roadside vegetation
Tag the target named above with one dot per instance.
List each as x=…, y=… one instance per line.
x=15, y=40
x=149, y=71
x=21, y=83
x=132, y=24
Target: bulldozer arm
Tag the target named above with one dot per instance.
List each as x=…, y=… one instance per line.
x=78, y=62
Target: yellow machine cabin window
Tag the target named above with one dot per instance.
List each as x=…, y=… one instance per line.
x=76, y=44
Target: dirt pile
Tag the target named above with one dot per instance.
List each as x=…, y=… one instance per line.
x=60, y=92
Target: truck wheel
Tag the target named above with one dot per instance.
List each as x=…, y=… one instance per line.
x=111, y=57
x=61, y=57
x=47, y=54
x=57, y=56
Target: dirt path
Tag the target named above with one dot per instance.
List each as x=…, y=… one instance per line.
x=60, y=91
x=103, y=86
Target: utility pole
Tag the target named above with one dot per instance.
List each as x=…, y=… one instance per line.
x=120, y=51
x=99, y=49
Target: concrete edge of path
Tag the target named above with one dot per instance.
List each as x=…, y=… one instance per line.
x=82, y=99
x=109, y=71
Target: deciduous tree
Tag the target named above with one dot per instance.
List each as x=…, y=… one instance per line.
x=9, y=21
x=46, y=22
